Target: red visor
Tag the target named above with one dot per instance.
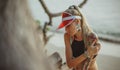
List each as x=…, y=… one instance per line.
x=65, y=22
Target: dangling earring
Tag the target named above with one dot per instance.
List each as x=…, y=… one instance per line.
x=78, y=27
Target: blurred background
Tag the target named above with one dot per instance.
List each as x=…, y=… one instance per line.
x=102, y=15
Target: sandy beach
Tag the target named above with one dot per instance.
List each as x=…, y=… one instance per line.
x=102, y=15
x=108, y=58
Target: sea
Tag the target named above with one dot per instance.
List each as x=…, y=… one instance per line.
x=103, y=16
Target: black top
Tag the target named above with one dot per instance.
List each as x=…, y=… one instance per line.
x=78, y=48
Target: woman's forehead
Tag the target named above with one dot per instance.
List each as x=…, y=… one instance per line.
x=72, y=23
x=75, y=21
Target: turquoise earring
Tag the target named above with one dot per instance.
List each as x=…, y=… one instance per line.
x=78, y=27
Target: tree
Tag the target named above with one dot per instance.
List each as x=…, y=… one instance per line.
x=51, y=15
x=20, y=45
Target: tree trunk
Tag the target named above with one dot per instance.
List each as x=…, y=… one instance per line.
x=21, y=47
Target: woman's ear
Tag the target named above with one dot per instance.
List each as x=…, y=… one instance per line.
x=78, y=21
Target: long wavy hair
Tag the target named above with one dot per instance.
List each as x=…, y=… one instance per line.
x=87, y=33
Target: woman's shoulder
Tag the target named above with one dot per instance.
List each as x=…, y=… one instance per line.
x=92, y=36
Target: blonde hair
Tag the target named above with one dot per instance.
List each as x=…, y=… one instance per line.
x=86, y=30
x=87, y=33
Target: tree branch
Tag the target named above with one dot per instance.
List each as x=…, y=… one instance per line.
x=82, y=4
x=51, y=15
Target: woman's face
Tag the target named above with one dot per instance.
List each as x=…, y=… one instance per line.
x=71, y=29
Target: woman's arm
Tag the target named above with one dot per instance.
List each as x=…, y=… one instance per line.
x=71, y=62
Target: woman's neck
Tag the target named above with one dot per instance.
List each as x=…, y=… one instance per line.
x=78, y=36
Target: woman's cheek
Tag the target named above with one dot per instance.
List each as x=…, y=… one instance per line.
x=68, y=31
x=73, y=32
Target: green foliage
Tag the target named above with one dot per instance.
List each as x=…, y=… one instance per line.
x=38, y=22
x=48, y=29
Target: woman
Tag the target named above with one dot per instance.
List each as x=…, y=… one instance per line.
x=81, y=43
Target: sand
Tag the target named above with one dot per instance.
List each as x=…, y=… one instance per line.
x=108, y=58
